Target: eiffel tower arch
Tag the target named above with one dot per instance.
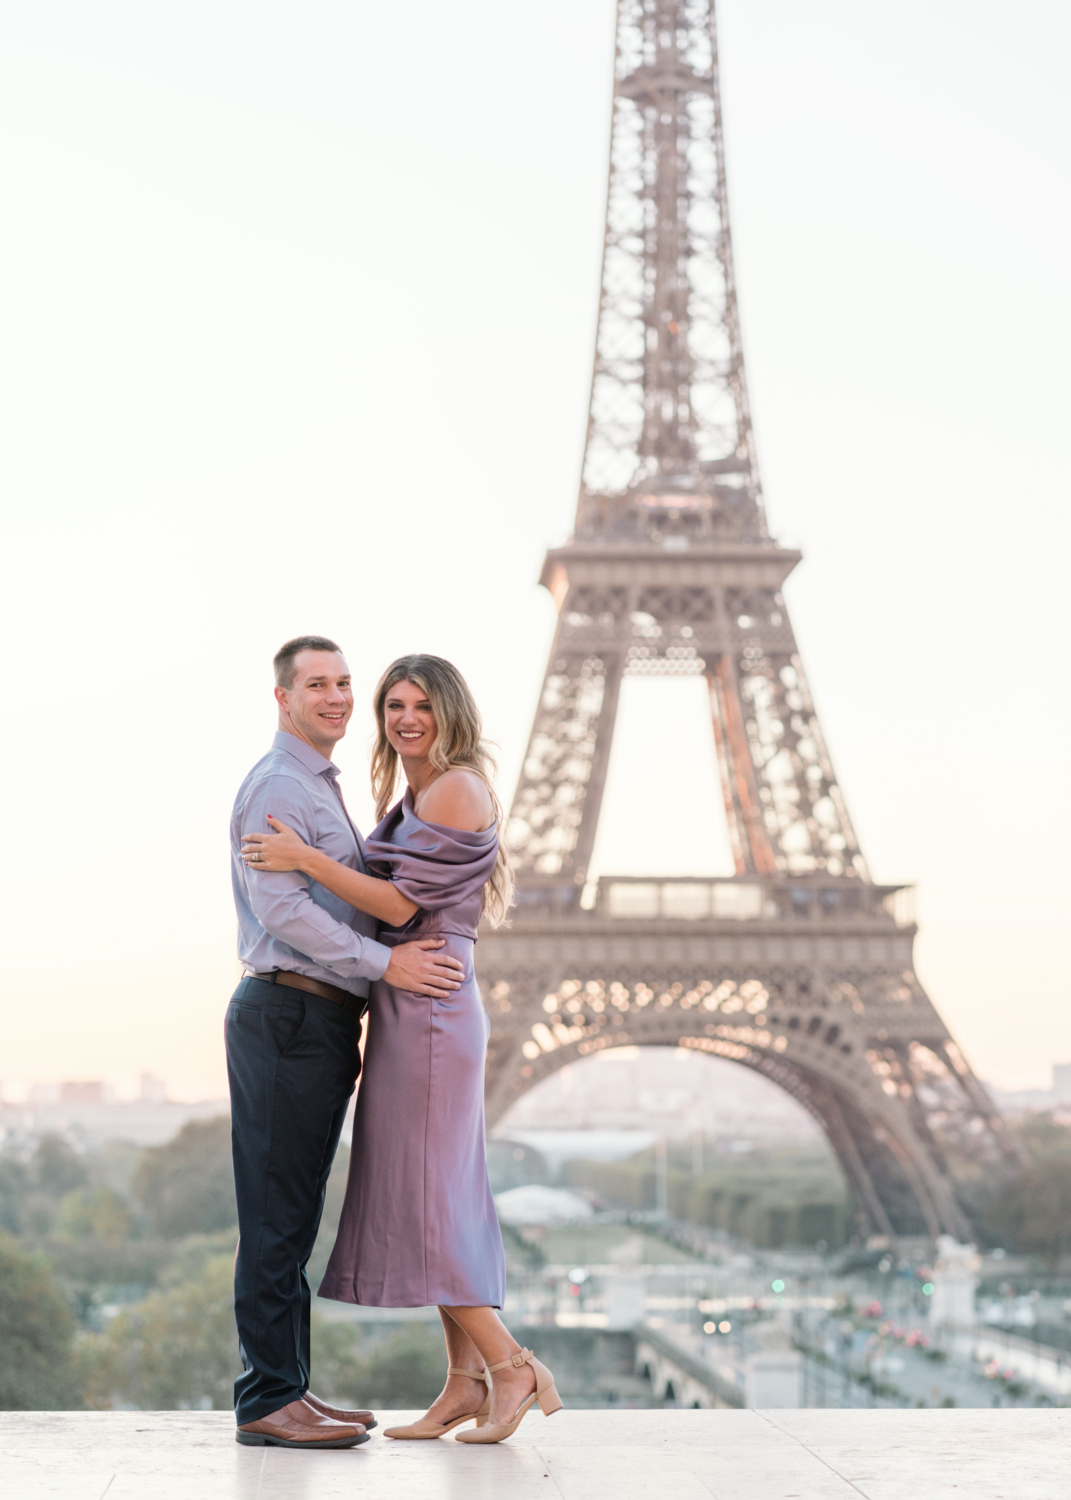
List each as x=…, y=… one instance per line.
x=798, y=966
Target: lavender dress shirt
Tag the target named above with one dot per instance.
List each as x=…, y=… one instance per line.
x=287, y=921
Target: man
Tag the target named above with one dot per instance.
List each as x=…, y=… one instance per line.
x=292, y=1031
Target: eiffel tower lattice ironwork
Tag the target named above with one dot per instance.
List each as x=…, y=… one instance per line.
x=799, y=966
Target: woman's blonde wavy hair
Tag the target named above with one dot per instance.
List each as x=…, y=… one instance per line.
x=458, y=742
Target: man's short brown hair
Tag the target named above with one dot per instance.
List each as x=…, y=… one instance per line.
x=287, y=655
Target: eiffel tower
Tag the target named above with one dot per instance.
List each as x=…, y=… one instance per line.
x=799, y=966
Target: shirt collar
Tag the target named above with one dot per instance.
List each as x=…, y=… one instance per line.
x=311, y=759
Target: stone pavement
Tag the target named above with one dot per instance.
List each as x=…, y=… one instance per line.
x=581, y=1455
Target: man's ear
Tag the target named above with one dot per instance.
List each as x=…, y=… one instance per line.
x=281, y=695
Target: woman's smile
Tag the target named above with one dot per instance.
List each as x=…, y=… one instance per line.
x=409, y=719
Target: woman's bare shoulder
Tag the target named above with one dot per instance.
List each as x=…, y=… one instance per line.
x=458, y=799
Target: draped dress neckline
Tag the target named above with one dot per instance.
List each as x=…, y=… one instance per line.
x=443, y=870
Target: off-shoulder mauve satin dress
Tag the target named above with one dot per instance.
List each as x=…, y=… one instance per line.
x=419, y=1225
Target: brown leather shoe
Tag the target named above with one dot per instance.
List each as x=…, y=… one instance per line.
x=299, y=1426
x=364, y=1419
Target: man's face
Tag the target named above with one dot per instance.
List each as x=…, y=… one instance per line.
x=319, y=703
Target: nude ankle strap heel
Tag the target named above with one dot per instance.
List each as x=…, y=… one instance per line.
x=426, y=1429
x=545, y=1393
x=485, y=1410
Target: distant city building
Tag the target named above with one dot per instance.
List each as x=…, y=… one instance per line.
x=152, y=1090
x=87, y=1113
x=1061, y=1080
x=90, y=1091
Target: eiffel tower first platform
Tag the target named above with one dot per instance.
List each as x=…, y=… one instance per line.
x=798, y=966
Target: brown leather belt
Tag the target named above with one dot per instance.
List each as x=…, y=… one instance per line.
x=313, y=987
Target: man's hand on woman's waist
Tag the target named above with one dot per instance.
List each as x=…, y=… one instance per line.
x=417, y=967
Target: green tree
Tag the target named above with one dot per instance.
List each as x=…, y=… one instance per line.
x=187, y=1185
x=56, y=1167
x=403, y=1371
x=37, y=1372
x=14, y=1186
x=406, y=1370
x=337, y=1366
x=176, y=1350
x=98, y=1213
x=776, y=1195
x=1032, y=1211
x=1044, y=1136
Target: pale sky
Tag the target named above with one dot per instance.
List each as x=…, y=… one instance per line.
x=297, y=309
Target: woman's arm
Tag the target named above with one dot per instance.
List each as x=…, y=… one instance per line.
x=285, y=850
x=377, y=897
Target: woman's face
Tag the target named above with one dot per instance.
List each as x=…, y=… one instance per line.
x=409, y=721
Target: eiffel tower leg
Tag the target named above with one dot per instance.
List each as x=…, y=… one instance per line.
x=555, y=812
x=504, y=1083
x=894, y=1169
x=939, y=1208
x=1013, y=1151
x=751, y=846
x=831, y=1117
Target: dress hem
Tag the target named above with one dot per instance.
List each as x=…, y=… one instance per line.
x=355, y=1301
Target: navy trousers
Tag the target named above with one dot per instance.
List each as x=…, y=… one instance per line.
x=292, y=1060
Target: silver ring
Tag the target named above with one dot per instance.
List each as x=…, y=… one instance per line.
x=254, y=856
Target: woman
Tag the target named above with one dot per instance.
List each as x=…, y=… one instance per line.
x=419, y=1225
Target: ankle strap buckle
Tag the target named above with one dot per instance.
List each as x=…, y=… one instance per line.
x=522, y=1357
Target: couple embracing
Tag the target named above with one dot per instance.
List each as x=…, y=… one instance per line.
x=332, y=925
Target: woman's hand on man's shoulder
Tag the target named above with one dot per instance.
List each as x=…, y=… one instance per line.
x=458, y=799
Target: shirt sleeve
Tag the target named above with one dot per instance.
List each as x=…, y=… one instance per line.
x=281, y=902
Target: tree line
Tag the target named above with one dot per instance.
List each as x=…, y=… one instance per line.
x=116, y=1272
